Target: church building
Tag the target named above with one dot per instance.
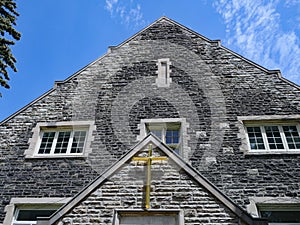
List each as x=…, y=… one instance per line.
x=169, y=127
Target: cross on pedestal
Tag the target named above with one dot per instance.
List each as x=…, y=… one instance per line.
x=149, y=160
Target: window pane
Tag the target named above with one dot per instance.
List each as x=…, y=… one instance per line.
x=78, y=141
x=172, y=137
x=255, y=138
x=281, y=216
x=31, y=215
x=46, y=143
x=274, y=138
x=168, y=132
x=292, y=137
x=157, y=133
x=62, y=142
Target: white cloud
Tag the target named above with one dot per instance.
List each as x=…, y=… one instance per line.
x=292, y=2
x=288, y=48
x=253, y=30
x=110, y=5
x=129, y=12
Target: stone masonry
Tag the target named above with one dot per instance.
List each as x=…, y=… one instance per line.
x=172, y=188
x=211, y=87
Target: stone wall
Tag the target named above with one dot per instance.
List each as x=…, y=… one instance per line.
x=211, y=86
x=171, y=188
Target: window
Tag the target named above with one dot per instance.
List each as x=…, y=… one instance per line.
x=273, y=137
x=24, y=211
x=61, y=139
x=169, y=133
x=28, y=216
x=280, y=214
x=149, y=217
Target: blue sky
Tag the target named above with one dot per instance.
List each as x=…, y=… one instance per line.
x=59, y=37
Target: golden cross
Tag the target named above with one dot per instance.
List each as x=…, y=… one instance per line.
x=149, y=160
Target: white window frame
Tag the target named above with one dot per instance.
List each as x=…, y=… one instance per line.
x=282, y=207
x=183, y=138
x=15, y=204
x=73, y=126
x=283, y=203
x=264, y=120
x=163, y=128
x=54, y=143
x=31, y=207
x=265, y=139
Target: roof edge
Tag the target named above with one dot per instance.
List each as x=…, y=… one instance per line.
x=56, y=83
x=194, y=174
x=170, y=21
x=100, y=179
x=27, y=106
x=275, y=71
x=96, y=60
x=289, y=82
x=217, y=42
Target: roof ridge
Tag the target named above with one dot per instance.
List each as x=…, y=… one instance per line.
x=162, y=18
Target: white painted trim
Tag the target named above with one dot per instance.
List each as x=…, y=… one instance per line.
x=53, y=200
x=279, y=120
x=184, y=148
x=267, y=149
x=255, y=202
x=34, y=141
x=269, y=117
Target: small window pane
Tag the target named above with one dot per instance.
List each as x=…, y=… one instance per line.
x=281, y=216
x=169, y=133
x=255, y=138
x=46, y=143
x=292, y=137
x=157, y=133
x=274, y=139
x=78, y=141
x=62, y=142
x=31, y=215
x=172, y=137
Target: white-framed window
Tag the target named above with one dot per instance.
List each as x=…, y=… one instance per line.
x=61, y=139
x=280, y=214
x=277, y=210
x=171, y=131
x=27, y=215
x=70, y=141
x=272, y=137
x=24, y=211
x=168, y=132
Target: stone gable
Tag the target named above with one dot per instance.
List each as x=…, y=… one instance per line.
x=171, y=189
x=174, y=186
x=211, y=87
